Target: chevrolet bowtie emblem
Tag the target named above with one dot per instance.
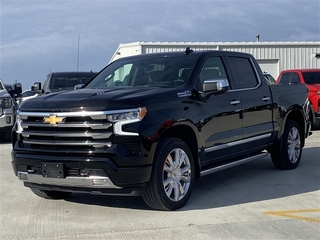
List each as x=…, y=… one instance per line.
x=53, y=119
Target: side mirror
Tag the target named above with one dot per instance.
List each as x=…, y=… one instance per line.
x=36, y=88
x=78, y=86
x=215, y=85
x=15, y=90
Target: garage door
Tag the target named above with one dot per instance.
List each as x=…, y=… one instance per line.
x=270, y=66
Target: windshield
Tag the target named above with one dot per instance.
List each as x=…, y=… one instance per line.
x=67, y=81
x=311, y=77
x=161, y=71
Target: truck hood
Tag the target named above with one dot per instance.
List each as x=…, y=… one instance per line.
x=91, y=99
x=314, y=87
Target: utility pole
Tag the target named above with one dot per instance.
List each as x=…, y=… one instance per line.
x=78, y=52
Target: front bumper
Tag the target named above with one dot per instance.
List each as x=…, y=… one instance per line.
x=95, y=175
x=7, y=119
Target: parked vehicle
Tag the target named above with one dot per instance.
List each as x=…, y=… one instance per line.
x=62, y=81
x=311, y=78
x=25, y=95
x=8, y=108
x=270, y=79
x=151, y=124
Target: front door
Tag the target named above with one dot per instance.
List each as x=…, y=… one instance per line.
x=221, y=123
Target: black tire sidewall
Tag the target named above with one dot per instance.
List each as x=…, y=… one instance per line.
x=284, y=149
x=165, y=147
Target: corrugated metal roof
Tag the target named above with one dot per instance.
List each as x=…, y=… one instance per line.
x=300, y=43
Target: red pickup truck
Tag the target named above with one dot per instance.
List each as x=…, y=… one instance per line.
x=310, y=77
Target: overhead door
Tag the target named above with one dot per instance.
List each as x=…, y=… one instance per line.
x=270, y=66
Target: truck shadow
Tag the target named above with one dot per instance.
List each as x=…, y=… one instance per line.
x=251, y=182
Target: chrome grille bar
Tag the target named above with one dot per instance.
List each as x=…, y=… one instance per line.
x=25, y=124
x=65, y=143
x=27, y=133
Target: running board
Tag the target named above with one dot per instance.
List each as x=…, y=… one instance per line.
x=232, y=164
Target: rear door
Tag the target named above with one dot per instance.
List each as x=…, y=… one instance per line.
x=256, y=101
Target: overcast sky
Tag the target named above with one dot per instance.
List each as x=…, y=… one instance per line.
x=39, y=36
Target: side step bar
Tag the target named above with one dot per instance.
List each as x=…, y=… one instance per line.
x=232, y=164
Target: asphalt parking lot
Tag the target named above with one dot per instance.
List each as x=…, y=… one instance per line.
x=251, y=201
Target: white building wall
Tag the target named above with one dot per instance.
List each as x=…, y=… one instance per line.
x=272, y=56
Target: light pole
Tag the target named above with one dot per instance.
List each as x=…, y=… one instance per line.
x=78, y=52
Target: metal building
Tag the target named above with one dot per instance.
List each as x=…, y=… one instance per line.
x=273, y=57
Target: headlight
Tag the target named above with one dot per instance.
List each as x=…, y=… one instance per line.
x=318, y=93
x=6, y=103
x=124, y=117
x=137, y=114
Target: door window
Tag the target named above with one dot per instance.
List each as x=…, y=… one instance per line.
x=243, y=73
x=213, y=68
x=285, y=78
x=295, y=78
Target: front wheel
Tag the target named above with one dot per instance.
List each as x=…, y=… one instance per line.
x=173, y=176
x=50, y=194
x=288, y=154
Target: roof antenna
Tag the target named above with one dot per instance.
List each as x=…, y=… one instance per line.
x=188, y=51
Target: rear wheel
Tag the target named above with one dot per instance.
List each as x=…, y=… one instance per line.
x=173, y=176
x=288, y=154
x=5, y=136
x=315, y=122
x=50, y=194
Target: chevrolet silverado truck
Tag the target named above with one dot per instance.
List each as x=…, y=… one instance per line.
x=8, y=107
x=149, y=125
x=311, y=78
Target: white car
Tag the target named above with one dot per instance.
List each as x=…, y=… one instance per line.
x=27, y=94
x=269, y=78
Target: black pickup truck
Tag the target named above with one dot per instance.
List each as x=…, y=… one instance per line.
x=151, y=124
x=62, y=81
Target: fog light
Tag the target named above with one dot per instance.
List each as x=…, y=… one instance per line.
x=84, y=172
x=8, y=119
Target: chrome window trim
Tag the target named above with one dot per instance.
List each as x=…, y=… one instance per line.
x=222, y=146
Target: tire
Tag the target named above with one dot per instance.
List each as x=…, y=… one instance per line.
x=5, y=136
x=50, y=194
x=288, y=154
x=173, y=176
x=315, y=122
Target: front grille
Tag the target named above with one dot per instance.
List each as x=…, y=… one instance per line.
x=67, y=132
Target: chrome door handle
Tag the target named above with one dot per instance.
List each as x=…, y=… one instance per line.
x=265, y=99
x=234, y=102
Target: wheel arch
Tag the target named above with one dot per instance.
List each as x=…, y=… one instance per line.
x=297, y=116
x=187, y=135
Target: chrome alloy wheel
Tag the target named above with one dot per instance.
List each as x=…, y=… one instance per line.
x=294, y=145
x=176, y=174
